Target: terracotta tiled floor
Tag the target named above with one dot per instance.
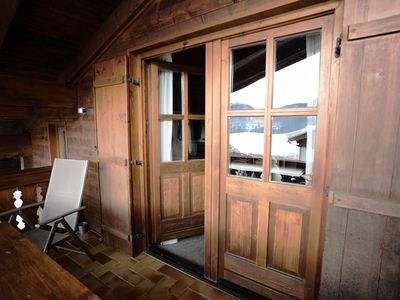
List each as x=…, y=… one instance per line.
x=117, y=276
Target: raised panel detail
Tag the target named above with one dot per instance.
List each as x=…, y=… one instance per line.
x=171, y=196
x=241, y=229
x=287, y=239
x=197, y=193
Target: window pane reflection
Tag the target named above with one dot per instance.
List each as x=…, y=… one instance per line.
x=196, y=139
x=296, y=77
x=169, y=92
x=170, y=140
x=292, y=149
x=248, y=77
x=246, y=146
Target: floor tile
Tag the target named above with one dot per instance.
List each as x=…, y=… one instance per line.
x=114, y=275
x=191, y=295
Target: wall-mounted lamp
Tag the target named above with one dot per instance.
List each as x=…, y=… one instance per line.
x=81, y=110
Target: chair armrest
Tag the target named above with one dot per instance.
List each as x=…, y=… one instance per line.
x=44, y=222
x=15, y=210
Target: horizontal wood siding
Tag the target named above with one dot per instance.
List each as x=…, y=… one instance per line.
x=81, y=144
x=40, y=145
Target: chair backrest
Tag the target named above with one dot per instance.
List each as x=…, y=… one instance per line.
x=65, y=189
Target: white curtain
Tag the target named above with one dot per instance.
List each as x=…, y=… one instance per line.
x=313, y=46
x=165, y=106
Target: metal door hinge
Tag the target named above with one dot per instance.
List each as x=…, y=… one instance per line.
x=338, y=47
x=326, y=191
x=137, y=162
x=138, y=236
x=133, y=81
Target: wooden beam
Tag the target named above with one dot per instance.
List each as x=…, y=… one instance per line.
x=123, y=16
x=7, y=12
x=375, y=27
x=242, y=12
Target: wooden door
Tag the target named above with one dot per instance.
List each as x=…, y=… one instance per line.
x=274, y=134
x=177, y=152
x=112, y=118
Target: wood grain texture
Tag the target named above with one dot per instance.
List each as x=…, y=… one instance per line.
x=381, y=206
x=45, y=278
x=359, y=11
x=112, y=120
x=362, y=255
x=286, y=239
x=16, y=145
x=51, y=34
x=174, y=193
x=375, y=27
x=82, y=144
x=241, y=226
x=380, y=109
x=124, y=15
x=197, y=193
x=171, y=196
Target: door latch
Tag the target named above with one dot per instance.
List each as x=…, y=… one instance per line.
x=137, y=162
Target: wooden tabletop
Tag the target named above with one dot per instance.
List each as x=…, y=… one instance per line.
x=28, y=273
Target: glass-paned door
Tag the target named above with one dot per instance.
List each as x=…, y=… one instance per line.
x=274, y=118
x=177, y=146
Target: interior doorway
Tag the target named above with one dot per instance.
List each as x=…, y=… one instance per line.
x=176, y=144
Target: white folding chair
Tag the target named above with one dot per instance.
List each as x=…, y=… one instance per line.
x=61, y=206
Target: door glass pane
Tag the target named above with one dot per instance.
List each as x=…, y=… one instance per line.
x=292, y=149
x=170, y=140
x=196, y=139
x=296, y=77
x=169, y=92
x=246, y=146
x=196, y=94
x=248, y=85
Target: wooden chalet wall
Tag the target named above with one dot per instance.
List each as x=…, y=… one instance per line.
x=20, y=145
x=362, y=248
x=81, y=142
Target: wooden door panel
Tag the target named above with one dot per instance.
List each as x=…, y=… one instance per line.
x=241, y=229
x=287, y=239
x=171, y=196
x=293, y=286
x=197, y=193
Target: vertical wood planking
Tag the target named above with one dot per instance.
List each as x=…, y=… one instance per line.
x=362, y=255
x=379, y=113
x=112, y=118
x=347, y=113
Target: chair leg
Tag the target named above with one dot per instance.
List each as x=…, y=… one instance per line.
x=51, y=237
x=77, y=239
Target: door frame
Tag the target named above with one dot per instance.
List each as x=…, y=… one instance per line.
x=138, y=99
